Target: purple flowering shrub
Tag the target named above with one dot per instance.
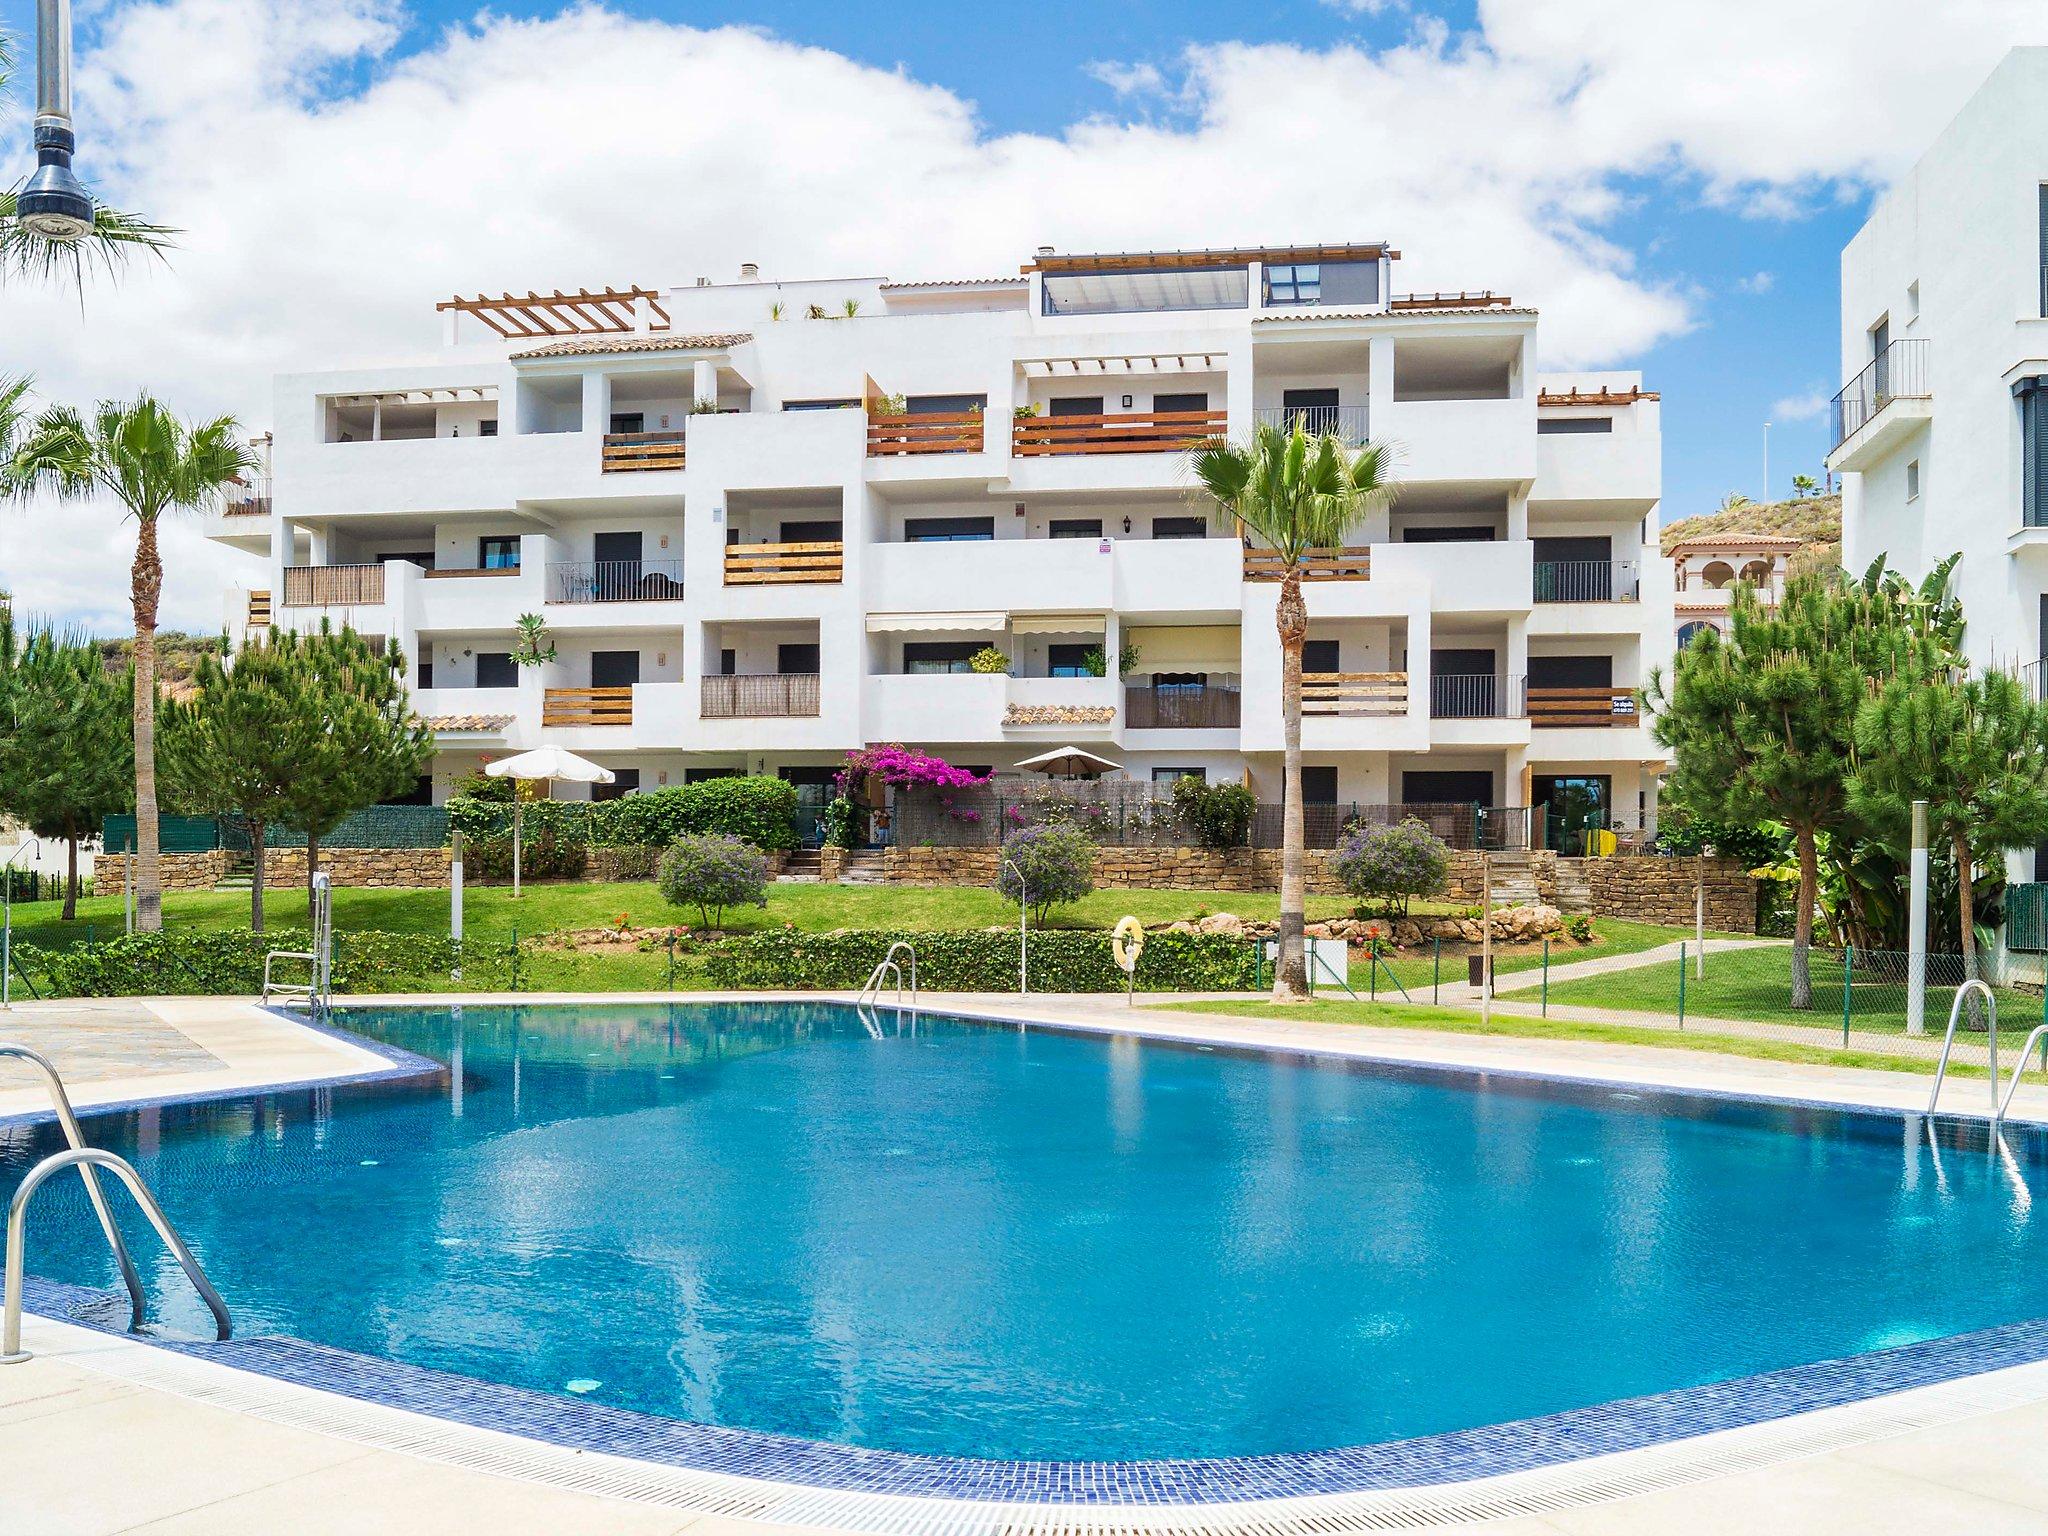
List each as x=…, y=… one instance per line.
x=1057, y=865
x=1391, y=865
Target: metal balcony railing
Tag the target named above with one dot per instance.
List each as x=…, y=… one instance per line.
x=741, y=698
x=615, y=581
x=1587, y=581
x=1346, y=421
x=1899, y=372
x=1183, y=707
x=1474, y=696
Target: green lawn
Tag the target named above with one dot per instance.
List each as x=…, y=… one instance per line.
x=1756, y=984
x=1416, y=968
x=1463, y=1022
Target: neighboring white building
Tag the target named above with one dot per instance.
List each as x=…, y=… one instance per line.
x=1941, y=434
x=1705, y=572
x=767, y=522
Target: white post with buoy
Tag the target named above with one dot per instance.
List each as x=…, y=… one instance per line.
x=1485, y=939
x=1916, y=926
x=1126, y=945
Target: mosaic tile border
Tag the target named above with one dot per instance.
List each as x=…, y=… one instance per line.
x=1429, y=1461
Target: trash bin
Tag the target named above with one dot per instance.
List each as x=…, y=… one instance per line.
x=1475, y=970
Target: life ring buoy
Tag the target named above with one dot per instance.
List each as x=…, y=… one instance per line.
x=1126, y=943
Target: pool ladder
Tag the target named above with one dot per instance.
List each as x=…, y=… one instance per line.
x=318, y=989
x=86, y=1159
x=871, y=990
x=1970, y=988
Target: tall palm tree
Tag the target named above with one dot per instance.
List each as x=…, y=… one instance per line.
x=1298, y=492
x=142, y=456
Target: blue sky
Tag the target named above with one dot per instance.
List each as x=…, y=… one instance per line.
x=1672, y=185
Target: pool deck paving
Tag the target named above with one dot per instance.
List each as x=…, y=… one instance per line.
x=102, y=1434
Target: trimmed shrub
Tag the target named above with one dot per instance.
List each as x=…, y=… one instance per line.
x=1391, y=864
x=196, y=964
x=759, y=808
x=1216, y=815
x=549, y=853
x=978, y=960
x=1057, y=866
x=711, y=871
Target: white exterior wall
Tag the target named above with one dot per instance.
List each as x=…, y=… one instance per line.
x=1461, y=461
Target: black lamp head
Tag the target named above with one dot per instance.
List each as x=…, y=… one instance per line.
x=54, y=204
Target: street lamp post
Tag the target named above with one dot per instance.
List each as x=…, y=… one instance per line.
x=54, y=204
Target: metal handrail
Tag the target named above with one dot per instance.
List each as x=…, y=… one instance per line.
x=871, y=990
x=2019, y=1071
x=61, y=1102
x=11, y=1352
x=287, y=988
x=911, y=950
x=1948, y=1040
x=318, y=990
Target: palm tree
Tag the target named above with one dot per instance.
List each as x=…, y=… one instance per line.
x=115, y=235
x=142, y=456
x=1299, y=492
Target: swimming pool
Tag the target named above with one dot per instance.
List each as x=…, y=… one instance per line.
x=978, y=1240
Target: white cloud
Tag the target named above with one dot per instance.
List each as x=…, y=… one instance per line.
x=1128, y=79
x=1809, y=406
x=1757, y=283
x=331, y=191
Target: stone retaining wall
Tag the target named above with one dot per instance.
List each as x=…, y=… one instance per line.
x=1661, y=890
x=377, y=867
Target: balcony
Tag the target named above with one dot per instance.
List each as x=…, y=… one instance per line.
x=901, y=435
x=248, y=498
x=1127, y=432
x=628, y=452
x=258, y=616
x=753, y=698
x=1864, y=411
x=587, y=706
x=1477, y=696
x=1344, y=421
x=754, y=565
x=1202, y=707
x=333, y=586
x=1565, y=708
x=1353, y=563
x=1354, y=694
x=1588, y=581
x=615, y=581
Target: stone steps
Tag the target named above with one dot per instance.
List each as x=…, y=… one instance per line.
x=862, y=866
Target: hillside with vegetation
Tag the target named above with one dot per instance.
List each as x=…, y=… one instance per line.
x=1814, y=520
x=177, y=658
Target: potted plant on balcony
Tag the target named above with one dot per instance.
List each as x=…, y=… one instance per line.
x=990, y=662
x=533, y=646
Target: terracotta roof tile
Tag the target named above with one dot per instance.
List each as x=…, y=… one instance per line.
x=1059, y=714
x=468, y=722
x=589, y=346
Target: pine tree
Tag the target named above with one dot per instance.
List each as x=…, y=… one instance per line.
x=65, y=755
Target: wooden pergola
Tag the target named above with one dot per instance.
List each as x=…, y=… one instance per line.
x=542, y=316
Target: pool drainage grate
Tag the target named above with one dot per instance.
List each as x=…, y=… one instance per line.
x=1598, y=1479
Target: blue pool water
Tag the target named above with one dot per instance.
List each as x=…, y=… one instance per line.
x=986, y=1241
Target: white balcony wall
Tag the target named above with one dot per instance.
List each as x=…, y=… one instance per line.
x=1451, y=440
x=1463, y=578
x=1007, y=575
x=954, y=707
x=1190, y=577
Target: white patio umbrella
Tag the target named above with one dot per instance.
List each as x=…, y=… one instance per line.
x=543, y=764
x=1070, y=761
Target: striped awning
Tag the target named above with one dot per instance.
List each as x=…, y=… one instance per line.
x=922, y=623
x=1058, y=623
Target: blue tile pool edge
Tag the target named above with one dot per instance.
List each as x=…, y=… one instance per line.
x=1455, y=1456
x=1425, y=1461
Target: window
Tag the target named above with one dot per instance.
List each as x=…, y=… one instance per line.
x=494, y=669
x=1179, y=682
x=629, y=421
x=948, y=530
x=1175, y=775
x=488, y=427
x=1197, y=401
x=811, y=530
x=797, y=660
x=614, y=669
x=728, y=662
x=1687, y=633
x=1076, y=528
x=1068, y=661
x=423, y=675
x=423, y=558
x=1913, y=301
x=1572, y=426
x=928, y=658
x=1075, y=405
x=943, y=405
x=1912, y=479
x=706, y=775
x=1460, y=534
x=1294, y=282
x=819, y=405
x=625, y=781
x=1315, y=409
x=1318, y=784
x=2033, y=397
x=498, y=553
x=1180, y=528
x=1320, y=656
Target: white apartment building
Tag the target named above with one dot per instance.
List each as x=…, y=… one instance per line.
x=767, y=522
x=1706, y=570
x=1941, y=434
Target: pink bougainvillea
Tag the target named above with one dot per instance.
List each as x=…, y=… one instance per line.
x=896, y=764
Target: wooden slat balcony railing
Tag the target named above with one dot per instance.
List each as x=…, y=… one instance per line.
x=742, y=698
x=768, y=564
x=627, y=451
x=1354, y=693
x=1350, y=564
x=938, y=432
x=587, y=706
x=1127, y=432
x=1183, y=707
x=1583, y=706
x=333, y=586
x=259, y=610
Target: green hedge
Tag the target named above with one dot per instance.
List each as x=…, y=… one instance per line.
x=759, y=808
x=204, y=964
x=983, y=961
